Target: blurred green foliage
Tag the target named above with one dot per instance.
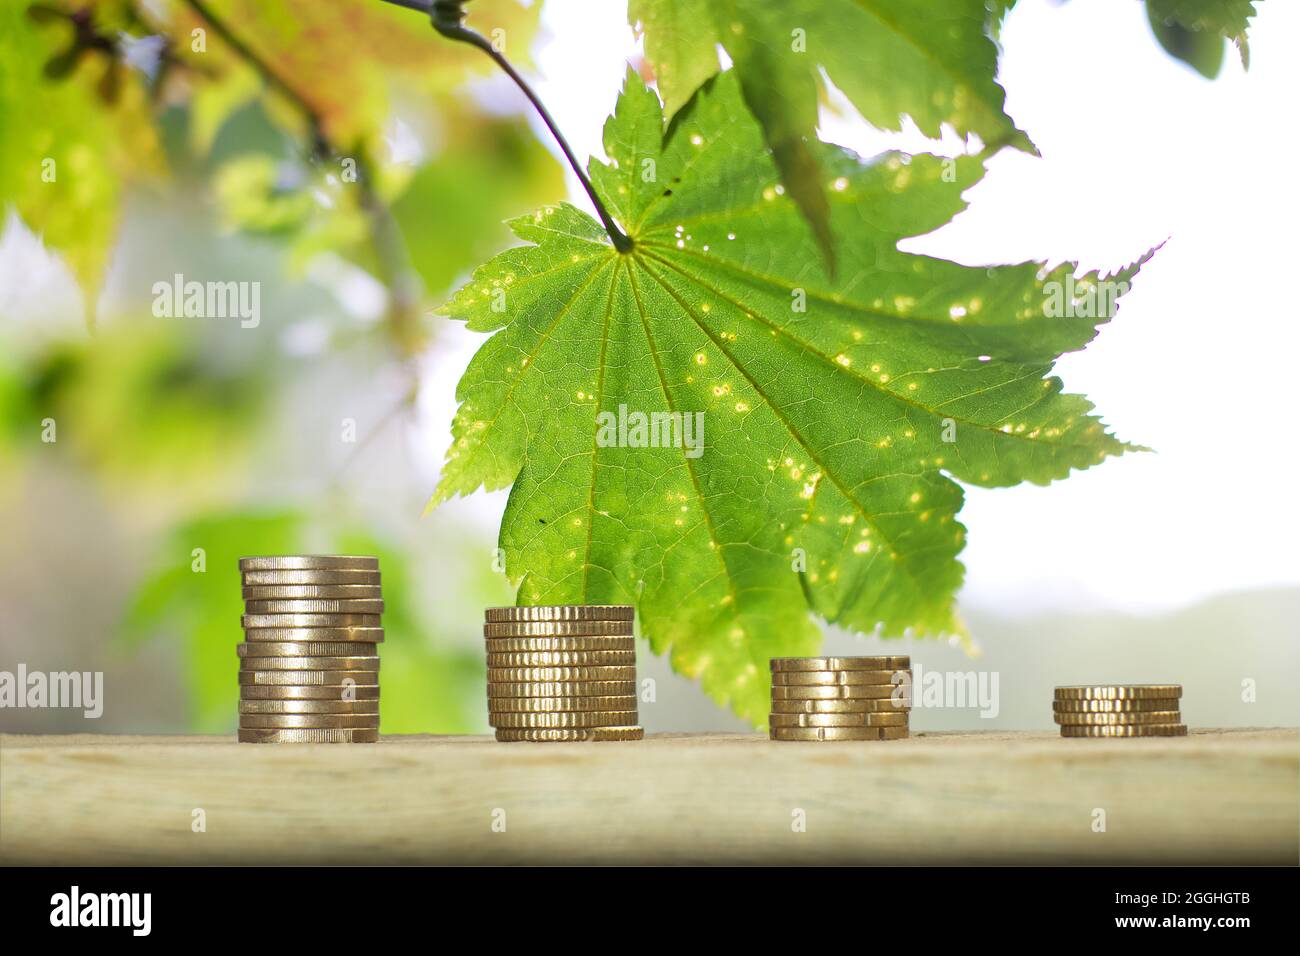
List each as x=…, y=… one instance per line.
x=177, y=421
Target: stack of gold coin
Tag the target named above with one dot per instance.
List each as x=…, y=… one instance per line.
x=1119, y=710
x=309, y=664
x=840, y=698
x=560, y=673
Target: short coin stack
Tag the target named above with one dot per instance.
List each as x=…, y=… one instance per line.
x=560, y=673
x=309, y=665
x=840, y=698
x=1119, y=710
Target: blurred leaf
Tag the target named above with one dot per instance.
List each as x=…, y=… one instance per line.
x=64, y=156
x=213, y=103
x=1203, y=52
x=345, y=57
x=998, y=10
x=1194, y=31
x=260, y=194
x=147, y=404
x=453, y=210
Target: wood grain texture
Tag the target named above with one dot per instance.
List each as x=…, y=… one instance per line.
x=1213, y=797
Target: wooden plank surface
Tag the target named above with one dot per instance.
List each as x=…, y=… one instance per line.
x=1214, y=797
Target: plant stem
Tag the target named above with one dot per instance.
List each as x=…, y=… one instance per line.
x=448, y=17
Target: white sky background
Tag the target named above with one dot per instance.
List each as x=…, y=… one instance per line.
x=1202, y=359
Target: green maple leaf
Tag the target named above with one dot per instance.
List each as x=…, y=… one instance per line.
x=826, y=482
x=932, y=60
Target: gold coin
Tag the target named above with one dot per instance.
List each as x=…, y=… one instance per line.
x=304, y=649
x=1115, y=706
x=523, y=645
x=561, y=658
x=359, y=635
x=292, y=678
x=1118, y=691
x=842, y=692
x=549, y=674
x=891, y=663
x=586, y=719
x=560, y=612
x=301, y=592
x=356, y=707
x=342, y=606
x=298, y=578
x=309, y=721
x=310, y=562
x=248, y=736
x=1130, y=717
x=812, y=678
x=1127, y=730
x=550, y=705
x=591, y=688
x=837, y=733
x=321, y=692
x=310, y=620
x=837, y=720
x=883, y=705
x=568, y=734
x=559, y=629
x=333, y=662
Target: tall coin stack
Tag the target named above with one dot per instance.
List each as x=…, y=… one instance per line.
x=840, y=698
x=561, y=673
x=1119, y=710
x=309, y=664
